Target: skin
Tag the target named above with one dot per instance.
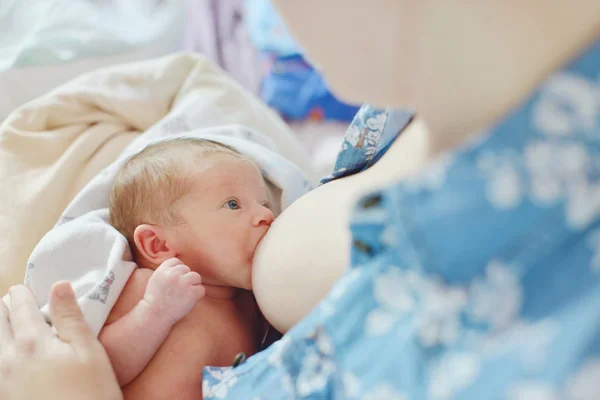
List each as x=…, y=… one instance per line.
x=167, y=295
x=221, y=221
x=37, y=363
x=191, y=289
x=226, y=215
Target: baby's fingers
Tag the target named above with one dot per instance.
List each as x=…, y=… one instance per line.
x=191, y=278
x=193, y=284
x=170, y=263
x=178, y=270
x=198, y=290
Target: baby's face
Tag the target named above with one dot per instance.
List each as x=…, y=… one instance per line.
x=226, y=214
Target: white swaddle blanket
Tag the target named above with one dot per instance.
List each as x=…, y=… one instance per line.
x=85, y=250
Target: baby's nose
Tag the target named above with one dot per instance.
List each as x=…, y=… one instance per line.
x=264, y=216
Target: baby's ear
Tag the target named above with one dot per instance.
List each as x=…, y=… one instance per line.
x=151, y=244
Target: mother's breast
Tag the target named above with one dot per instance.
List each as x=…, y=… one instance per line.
x=308, y=246
x=302, y=255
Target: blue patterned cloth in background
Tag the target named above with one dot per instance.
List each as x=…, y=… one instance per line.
x=290, y=84
x=478, y=279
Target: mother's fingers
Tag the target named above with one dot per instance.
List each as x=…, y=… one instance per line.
x=67, y=317
x=25, y=317
x=6, y=334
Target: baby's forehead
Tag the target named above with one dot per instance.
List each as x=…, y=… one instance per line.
x=228, y=170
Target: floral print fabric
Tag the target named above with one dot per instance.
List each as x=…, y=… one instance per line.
x=479, y=278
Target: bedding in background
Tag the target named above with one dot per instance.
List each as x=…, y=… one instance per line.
x=44, y=43
x=218, y=30
x=84, y=249
x=51, y=147
x=268, y=31
x=249, y=41
x=54, y=51
x=43, y=32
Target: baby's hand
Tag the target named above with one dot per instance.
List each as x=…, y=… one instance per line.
x=173, y=290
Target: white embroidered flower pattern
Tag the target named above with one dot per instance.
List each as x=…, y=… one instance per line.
x=394, y=295
x=329, y=305
x=583, y=204
x=593, y=241
x=317, y=365
x=226, y=380
x=372, y=137
x=377, y=122
x=452, y=374
x=314, y=374
x=496, y=299
x=341, y=286
x=567, y=103
x=434, y=306
x=532, y=390
x=585, y=383
x=353, y=135
x=439, y=318
x=384, y=392
x=558, y=168
x=431, y=178
x=370, y=143
x=532, y=342
x=279, y=348
x=388, y=236
x=504, y=188
x=351, y=384
x=546, y=173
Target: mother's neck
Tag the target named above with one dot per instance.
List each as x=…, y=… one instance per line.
x=532, y=39
x=535, y=47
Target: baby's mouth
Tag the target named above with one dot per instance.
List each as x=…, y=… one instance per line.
x=260, y=239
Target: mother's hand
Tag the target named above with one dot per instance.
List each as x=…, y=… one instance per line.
x=36, y=363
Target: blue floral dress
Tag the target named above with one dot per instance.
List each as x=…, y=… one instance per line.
x=477, y=279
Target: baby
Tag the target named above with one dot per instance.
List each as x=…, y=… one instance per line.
x=193, y=212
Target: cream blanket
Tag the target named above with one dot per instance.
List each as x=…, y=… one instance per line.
x=51, y=147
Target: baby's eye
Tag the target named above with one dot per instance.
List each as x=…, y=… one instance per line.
x=233, y=204
x=266, y=205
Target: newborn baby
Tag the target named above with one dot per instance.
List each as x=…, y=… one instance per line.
x=193, y=212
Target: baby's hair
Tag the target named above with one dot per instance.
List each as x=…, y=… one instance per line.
x=147, y=187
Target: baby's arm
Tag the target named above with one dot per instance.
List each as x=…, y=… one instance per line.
x=151, y=303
